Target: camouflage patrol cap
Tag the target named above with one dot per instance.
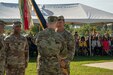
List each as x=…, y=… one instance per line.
x=16, y=23
x=61, y=18
x=52, y=19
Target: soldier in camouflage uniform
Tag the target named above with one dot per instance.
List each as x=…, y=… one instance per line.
x=2, y=50
x=70, y=45
x=51, y=46
x=16, y=52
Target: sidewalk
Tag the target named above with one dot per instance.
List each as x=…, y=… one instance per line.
x=105, y=65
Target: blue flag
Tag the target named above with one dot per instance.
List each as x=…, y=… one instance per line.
x=41, y=18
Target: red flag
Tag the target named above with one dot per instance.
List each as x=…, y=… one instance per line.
x=25, y=12
x=26, y=15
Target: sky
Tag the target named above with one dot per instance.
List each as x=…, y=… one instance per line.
x=106, y=5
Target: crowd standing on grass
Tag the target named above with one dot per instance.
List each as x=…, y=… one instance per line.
x=54, y=46
x=100, y=45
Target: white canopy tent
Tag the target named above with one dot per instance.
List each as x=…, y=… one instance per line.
x=72, y=12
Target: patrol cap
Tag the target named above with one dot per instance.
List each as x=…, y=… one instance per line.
x=61, y=18
x=17, y=23
x=52, y=19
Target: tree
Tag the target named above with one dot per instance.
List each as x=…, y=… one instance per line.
x=84, y=30
x=70, y=28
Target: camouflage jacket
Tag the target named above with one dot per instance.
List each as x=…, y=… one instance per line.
x=2, y=52
x=51, y=46
x=69, y=39
x=17, y=52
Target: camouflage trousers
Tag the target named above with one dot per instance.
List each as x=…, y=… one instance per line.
x=1, y=72
x=15, y=71
x=65, y=66
x=50, y=70
x=48, y=73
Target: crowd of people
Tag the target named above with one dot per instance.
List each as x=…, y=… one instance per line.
x=95, y=45
x=56, y=48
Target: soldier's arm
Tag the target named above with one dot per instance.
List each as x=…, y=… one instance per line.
x=63, y=56
x=38, y=38
x=63, y=52
x=2, y=51
x=71, y=47
x=6, y=48
x=35, y=38
x=36, y=43
x=26, y=53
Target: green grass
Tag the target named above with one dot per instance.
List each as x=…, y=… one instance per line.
x=31, y=69
x=77, y=67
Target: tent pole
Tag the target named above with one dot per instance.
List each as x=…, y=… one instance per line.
x=90, y=42
x=90, y=45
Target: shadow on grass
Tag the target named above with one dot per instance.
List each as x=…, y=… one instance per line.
x=83, y=58
x=92, y=58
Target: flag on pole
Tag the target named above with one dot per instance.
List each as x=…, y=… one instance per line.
x=39, y=15
x=25, y=13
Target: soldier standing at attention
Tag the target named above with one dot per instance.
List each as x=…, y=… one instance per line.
x=16, y=52
x=51, y=46
x=2, y=50
x=65, y=65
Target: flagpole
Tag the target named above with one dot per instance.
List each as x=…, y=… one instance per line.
x=39, y=15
